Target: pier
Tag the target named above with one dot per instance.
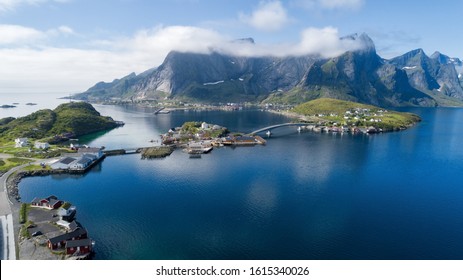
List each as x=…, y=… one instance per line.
x=118, y=152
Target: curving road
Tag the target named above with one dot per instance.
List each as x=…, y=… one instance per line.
x=7, y=242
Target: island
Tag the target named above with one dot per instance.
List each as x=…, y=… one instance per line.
x=201, y=137
x=68, y=120
x=40, y=135
x=7, y=106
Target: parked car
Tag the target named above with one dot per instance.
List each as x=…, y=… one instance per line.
x=37, y=233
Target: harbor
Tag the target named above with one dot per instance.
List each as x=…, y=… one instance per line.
x=298, y=178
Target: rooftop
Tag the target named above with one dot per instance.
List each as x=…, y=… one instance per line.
x=67, y=160
x=78, y=243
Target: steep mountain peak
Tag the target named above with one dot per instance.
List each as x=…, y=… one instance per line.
x=444, y=59
x=359, y=74
x=411, y=59
x=437, y=55
x=416, y=52
x=366, y=43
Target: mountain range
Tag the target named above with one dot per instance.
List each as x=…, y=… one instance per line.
x=412, y=79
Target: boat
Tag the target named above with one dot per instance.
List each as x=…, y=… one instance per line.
x=268, y=133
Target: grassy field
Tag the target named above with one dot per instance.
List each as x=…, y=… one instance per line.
x=156, y=152
x=8, y=163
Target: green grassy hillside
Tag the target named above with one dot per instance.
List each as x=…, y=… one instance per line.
x=69, y=119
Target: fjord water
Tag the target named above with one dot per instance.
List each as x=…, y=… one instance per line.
x=302, y=196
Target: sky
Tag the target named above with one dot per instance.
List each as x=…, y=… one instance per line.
x=67, y=46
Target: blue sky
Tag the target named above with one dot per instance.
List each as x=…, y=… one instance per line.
x=69, y=45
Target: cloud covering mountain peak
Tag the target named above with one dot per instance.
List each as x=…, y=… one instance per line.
x=323, y=42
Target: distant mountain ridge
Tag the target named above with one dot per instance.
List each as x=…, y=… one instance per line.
x=413, y=79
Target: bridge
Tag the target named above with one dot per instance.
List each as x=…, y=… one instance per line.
x=268, y=128
x=125, y=151
x=159, y=110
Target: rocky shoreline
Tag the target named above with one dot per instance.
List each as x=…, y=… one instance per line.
x=13, y=181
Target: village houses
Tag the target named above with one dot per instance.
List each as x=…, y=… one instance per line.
x=83, y=159
x=21, y=142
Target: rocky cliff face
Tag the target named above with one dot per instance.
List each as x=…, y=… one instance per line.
x=216, y=77
x=436, y=75
x=363, y=76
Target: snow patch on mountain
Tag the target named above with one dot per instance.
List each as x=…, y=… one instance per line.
x=213, y=83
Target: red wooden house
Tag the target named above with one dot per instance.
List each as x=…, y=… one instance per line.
x=51, y=202
x=79, y=247
x=60, y=241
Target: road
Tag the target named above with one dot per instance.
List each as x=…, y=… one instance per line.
x=7, y=246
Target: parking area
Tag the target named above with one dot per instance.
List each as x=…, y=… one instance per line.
x=43, y=228
x=44, y=220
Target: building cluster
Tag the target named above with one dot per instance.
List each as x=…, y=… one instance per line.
x=75, y=241
x=81, y=160
x=24, y=142
x=197, y=138
x=359, y=114
x=364, y=114
x=204, y=131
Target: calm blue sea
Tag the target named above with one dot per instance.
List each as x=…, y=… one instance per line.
x=302, y=196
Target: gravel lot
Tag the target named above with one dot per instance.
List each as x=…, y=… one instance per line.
x=36, y=248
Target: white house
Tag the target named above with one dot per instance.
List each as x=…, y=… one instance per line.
x=81, y=163
x=67, y=213
x=92, y=151
x=63, y=163
x=21, y=142
x=204, y=125
x=41, y=145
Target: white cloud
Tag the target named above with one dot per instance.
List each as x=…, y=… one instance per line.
x=181, y=38
x=65, y=29
x=10, y=5
x=32, y=67
x=14, y=34
x=63, y=70
x=329, y=4
x=325, y=42
x=155, y=44
x=269, y=16
x=21, y=35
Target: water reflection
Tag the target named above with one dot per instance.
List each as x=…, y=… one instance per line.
x=302, y=196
